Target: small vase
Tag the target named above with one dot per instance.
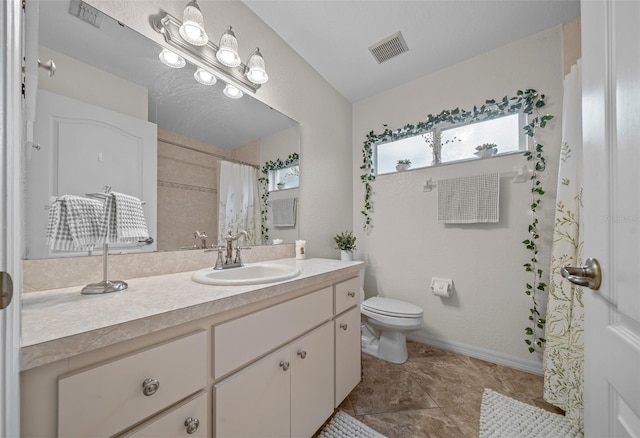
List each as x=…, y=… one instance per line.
x=402, y=167
x=347, y=256
x=280, y=186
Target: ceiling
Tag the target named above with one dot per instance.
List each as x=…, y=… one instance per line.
x=333, y=36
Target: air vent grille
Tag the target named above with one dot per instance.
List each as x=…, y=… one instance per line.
x=85, y=12
x=389, y=47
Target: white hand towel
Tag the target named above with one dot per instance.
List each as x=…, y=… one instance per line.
x=74, y=224
x=123, y=220
x=469, y=199
x=284, y=212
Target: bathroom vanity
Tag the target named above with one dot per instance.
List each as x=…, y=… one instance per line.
x=172, y=357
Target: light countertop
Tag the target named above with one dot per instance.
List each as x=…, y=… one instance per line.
x=60, y=323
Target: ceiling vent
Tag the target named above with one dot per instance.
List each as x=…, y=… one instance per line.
x=389, y=47
x=85, y=12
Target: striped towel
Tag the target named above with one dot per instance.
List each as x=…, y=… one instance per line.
x=469, y=199
x=123, y=220
x=74, y=224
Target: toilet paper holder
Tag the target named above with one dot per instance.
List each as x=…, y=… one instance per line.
x=441, y=287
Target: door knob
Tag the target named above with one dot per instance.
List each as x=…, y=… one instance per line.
x=588, y=275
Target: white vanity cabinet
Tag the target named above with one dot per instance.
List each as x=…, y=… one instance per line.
x=108, y=398
x=287, y=393
x=347, y=337
x=274, y=364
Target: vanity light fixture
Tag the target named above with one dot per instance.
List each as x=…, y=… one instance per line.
x=192, y=28
x=210, y=58
x=232, y=92
x=256, y=71
x=171, y=59
x=227, y=53
x=204, y=77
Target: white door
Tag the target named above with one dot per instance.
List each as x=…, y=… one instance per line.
x=10, y=165
x=611, y=136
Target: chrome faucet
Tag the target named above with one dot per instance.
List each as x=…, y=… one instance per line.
x=203, y=236
x=227, y=261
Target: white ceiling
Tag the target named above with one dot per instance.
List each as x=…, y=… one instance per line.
x=333, y=36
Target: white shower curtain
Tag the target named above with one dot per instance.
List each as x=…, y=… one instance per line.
x=563, y=360
x=239, y=201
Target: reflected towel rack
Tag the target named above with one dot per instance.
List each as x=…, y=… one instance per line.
x=520, y=174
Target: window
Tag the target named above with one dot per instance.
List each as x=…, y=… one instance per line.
x=450, y=144
x=285, y=178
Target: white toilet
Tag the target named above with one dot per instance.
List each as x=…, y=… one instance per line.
x=385, y=324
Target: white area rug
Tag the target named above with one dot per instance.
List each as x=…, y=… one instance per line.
x=504, y=417
x=345, y=426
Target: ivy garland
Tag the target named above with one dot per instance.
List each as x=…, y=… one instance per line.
x=278, y=164
x=528, y=102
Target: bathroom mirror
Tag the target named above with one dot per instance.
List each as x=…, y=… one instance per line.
x=198, y=126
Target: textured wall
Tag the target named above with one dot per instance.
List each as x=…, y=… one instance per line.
x=407, y=246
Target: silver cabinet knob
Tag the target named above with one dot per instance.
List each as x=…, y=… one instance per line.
x=344, y=326
x=192, y=425
x=284, y=365
x=588, y=275
x=302, y=354
x=150, y=386
x=351, y=293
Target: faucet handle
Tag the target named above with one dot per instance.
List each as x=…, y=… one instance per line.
x=238, y=258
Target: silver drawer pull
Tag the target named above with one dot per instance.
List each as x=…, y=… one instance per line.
x=192, y=425
x=351, y=293
x=302, y=354
x=150, y=386
x=344, y=326
x=284, y=365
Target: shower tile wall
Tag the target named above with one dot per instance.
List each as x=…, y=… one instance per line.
x=188, y=189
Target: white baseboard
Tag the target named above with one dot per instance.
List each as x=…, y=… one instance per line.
x=532, y=366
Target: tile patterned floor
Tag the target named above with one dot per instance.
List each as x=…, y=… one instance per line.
x=436, y=393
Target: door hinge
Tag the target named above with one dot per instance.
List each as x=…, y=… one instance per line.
x=24, y=5
x=24, y=89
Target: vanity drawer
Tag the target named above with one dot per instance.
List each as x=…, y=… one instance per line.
x=189, y=418
x=108, y=398
x=347, y=294
x=242, y=340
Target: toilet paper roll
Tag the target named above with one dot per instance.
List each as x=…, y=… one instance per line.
x=441, y=287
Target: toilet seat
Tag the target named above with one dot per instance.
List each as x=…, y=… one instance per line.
x=391, y=307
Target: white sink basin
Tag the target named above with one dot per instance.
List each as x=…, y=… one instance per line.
x=257, y=273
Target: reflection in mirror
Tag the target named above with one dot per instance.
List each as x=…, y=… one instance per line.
x=109, y=67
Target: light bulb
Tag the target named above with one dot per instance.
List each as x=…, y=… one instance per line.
x=204, y=77
x=192, y=28
x=227, y=54
x=232, y=92
x=171, y=59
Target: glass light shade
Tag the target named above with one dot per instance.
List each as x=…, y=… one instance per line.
x=232, y=92
x=256, y=72
x=227, y=53
x=204, y=77
x=192, y=28
x=171, y=59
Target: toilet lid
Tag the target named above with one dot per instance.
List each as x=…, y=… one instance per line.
x=392, y=307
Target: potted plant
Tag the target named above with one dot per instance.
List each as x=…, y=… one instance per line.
x=346, y=243
x=486, y=150
x=403, y=165
x=280, y=185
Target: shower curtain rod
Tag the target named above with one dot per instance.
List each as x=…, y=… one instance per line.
x=222, y=157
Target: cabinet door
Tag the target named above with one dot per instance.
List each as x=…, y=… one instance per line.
x=311, y=381
x=347, y=329
x=189, y=418
x=254, y=402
